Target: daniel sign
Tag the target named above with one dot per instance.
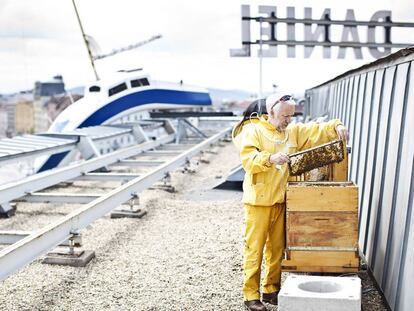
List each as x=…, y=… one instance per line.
x=346, y=34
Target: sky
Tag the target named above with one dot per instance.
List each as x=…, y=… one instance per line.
x=41, y=38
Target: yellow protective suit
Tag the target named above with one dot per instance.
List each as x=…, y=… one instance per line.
x=264, y=189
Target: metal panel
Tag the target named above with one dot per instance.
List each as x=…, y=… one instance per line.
x=379, y=159
x=377, y=105
x=357, y=126
x=32, y=146
x=401, y=177
x=388, y=173
x=344, y=101
x=405, y=274
x=350, y=95
x=335, y=101
x=36, y=141
x=352, y=117
x=363, y=143
x=404, y=299
x=366, y=111
x=369, y=175
x=8, y=142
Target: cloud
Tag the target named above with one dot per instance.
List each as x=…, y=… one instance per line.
x=41, y=38
x=36, y=19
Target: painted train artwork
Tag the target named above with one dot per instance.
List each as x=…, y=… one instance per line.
x=126, y=93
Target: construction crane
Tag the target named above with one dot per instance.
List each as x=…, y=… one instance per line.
x=89, y=41
x=127, y=48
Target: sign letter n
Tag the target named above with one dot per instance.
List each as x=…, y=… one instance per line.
x=245, y=50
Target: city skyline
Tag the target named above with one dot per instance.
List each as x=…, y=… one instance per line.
x=41, y=39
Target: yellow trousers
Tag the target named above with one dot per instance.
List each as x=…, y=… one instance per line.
x=265, y=226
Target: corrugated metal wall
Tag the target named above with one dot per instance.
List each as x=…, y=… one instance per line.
x=376, y=102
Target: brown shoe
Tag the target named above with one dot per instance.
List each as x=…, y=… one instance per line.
x=255, y=305
x=270, y=298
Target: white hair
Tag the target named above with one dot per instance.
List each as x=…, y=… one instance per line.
x=272, y=101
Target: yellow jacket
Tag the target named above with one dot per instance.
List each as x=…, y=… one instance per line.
x=265, y=183
x=241, y=128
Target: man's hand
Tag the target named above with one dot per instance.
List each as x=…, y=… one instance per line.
x=279, y=158
x=342, y=132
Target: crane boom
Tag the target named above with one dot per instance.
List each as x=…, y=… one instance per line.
x=127, y=48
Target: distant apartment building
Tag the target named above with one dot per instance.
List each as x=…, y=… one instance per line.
x=42, y=93
x=49, y=88
x=3, y=119
x=12, y=116
x=24, y=122
x=27, y=111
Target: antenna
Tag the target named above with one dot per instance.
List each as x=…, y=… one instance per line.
x=86, y=42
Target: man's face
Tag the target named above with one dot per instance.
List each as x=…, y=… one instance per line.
x=282, y=116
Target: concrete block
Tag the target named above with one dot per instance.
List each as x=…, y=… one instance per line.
x=311, y=293
x=76, y=259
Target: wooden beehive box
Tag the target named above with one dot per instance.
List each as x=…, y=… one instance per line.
x=321, y=227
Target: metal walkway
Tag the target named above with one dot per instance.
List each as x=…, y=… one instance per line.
x=27, y=146
x=31, y=146
x=169, y=155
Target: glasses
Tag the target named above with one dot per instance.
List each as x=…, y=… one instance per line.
x=284, y=98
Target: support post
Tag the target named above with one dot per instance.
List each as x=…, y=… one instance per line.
x=71, y=256
x=132, y=211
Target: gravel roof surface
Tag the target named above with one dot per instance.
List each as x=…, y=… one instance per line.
x=185, y=254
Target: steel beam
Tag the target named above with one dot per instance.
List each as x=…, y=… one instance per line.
x=181, y=147
x=12, y=236
x=109, y=176
x=139, y=163
x=58, y=197
x=223, y=119
x=189, y=114
x=323, y=43
x=14, y=190
x=192, y=128
x=29, y=248
x=328, y=22
x=161, y=152
x=87, y=148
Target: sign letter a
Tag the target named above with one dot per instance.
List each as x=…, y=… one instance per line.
x=352, y=32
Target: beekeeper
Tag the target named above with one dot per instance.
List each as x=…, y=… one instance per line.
x=264, y=146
